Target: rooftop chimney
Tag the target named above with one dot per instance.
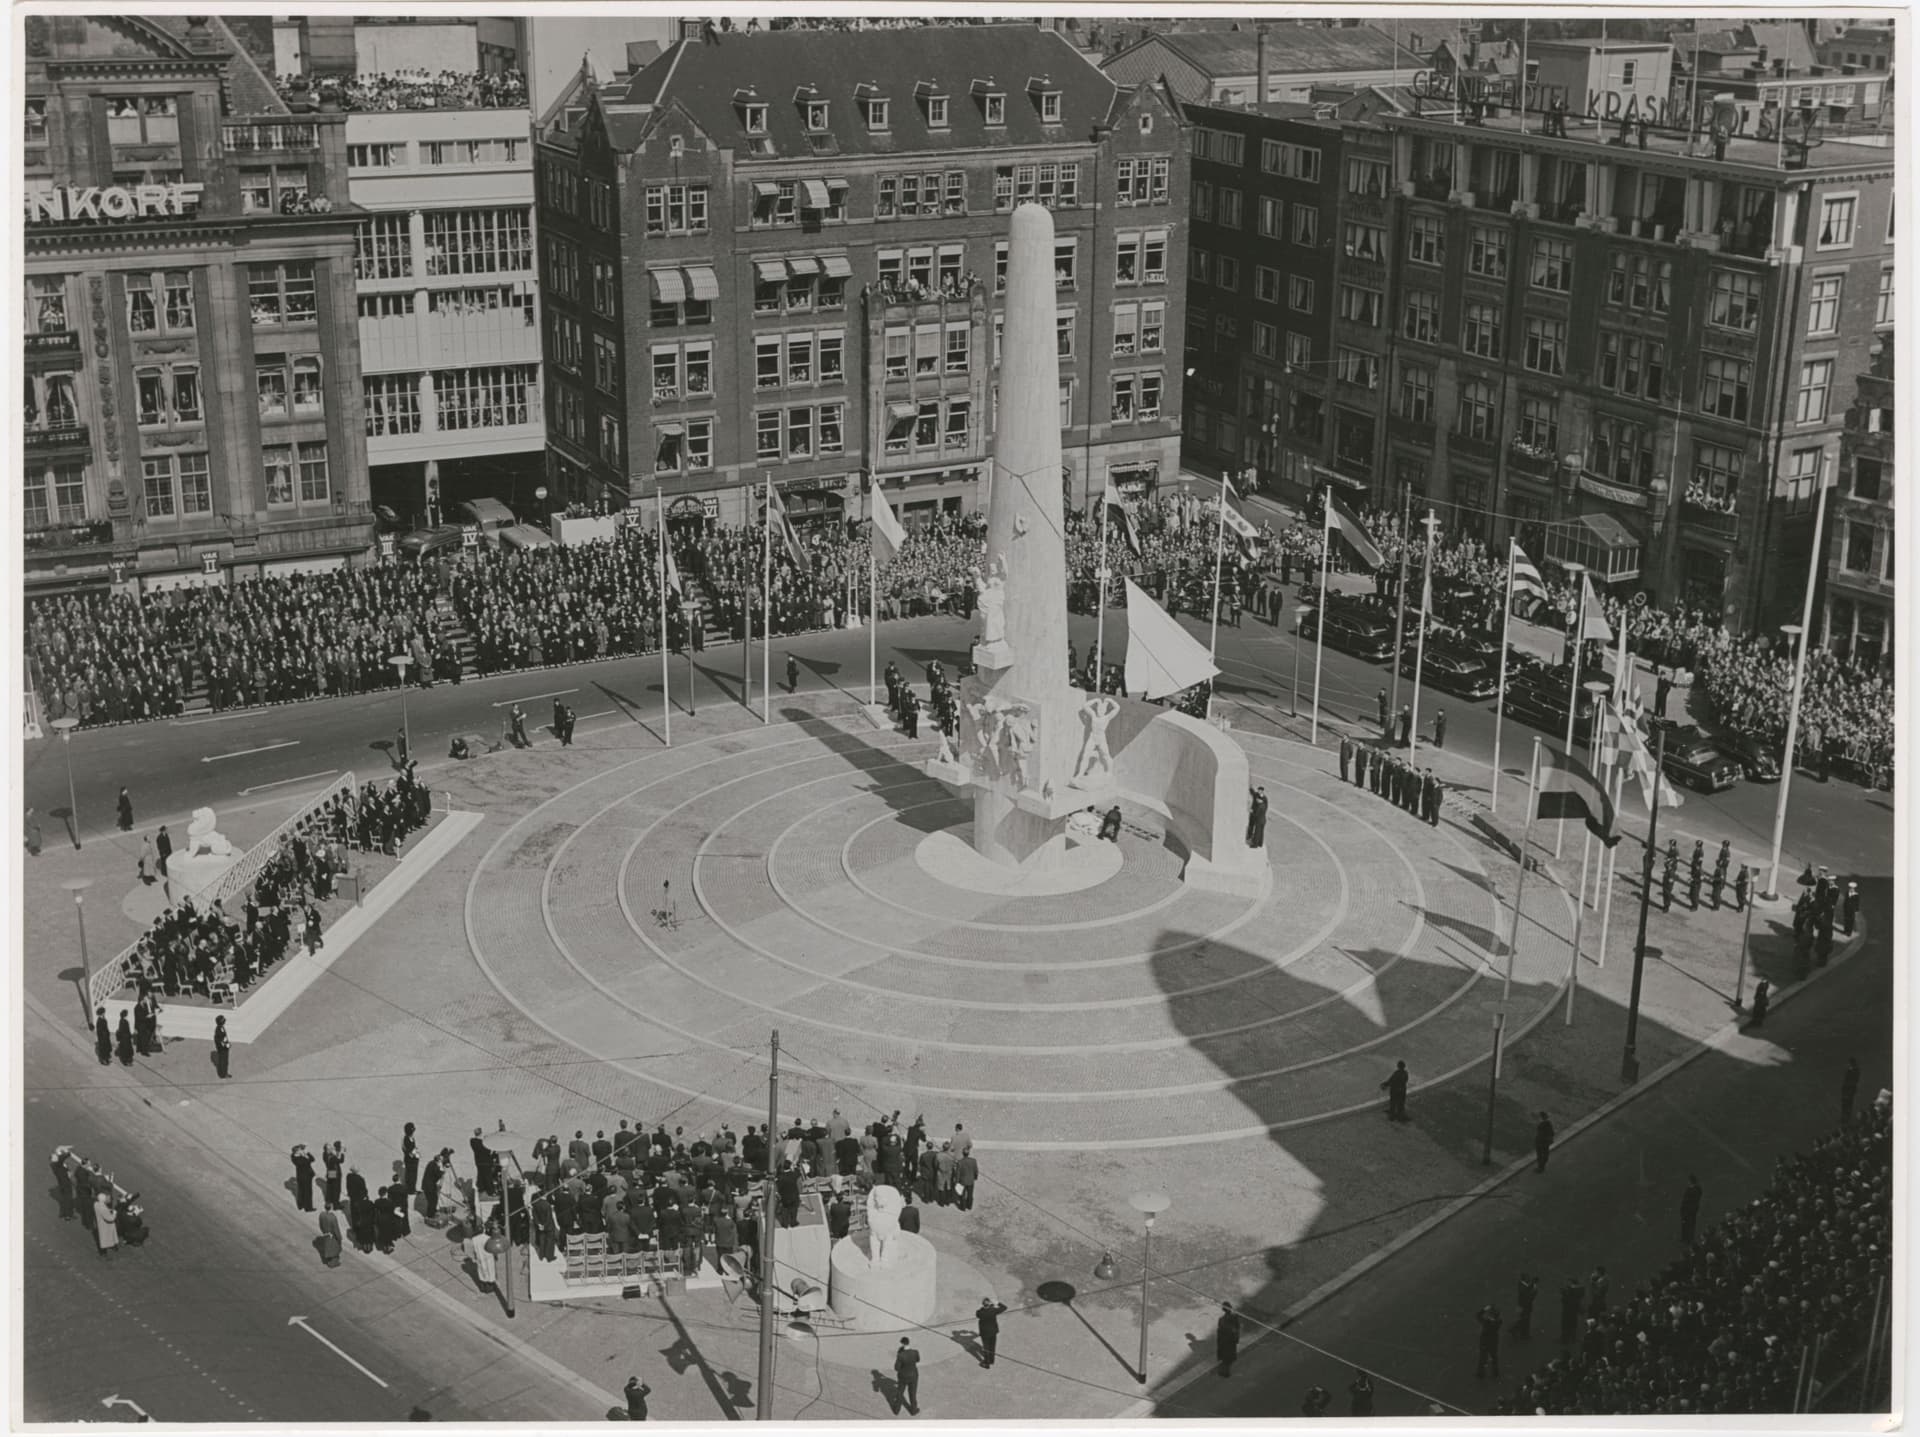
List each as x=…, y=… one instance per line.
x=1260, y=66
x=199, y=37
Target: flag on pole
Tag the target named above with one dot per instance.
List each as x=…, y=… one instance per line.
x=674, y=588
x=1623, y=748
x=789, y=536
x=1526, y=578
x=1349, y=528
x=1568, y=790
x=1230, y=515
x=1593, y=618
x=1120, y=516
x=888, y=536
x=1162, y=657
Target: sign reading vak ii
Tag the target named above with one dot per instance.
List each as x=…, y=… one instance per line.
x=60, y=204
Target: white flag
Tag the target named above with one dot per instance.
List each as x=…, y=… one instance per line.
x=888, y=536
x=1162, y=657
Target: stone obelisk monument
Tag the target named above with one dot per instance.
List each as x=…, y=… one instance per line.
x=1020, y=718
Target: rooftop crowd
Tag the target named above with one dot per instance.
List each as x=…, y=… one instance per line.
x=412, y=89
x=1723, y=1329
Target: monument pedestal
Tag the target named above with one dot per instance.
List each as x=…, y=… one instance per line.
x=898, y=1296
x=1008, y=831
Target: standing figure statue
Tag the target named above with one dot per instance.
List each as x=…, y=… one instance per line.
x=1099, y=711
x=991, y=602
x=883, y=1223
x=1020, y=736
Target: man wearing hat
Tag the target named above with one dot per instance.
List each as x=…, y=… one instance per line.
x=1850, y=907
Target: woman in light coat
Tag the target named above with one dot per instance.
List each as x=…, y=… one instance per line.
x=105, y=1231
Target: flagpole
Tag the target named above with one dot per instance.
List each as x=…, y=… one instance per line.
x=1629, y=1058
x=1500, y=703
x=1219, y=556
x=1400, y=598
x=873, y=594
x=1621, y=672
x=766, y=611
x=666, y=680
x=1579, y=915
x=1320, y=619
x=1520, y=885
x=1420, y=642
x=1100, y=604
x=1574, y=636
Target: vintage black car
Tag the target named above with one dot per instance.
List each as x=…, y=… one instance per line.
x=1691, y=758
x=1452, y=672
x=1352, y=632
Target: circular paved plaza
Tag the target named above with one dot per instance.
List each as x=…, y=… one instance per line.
x=1130, y=1011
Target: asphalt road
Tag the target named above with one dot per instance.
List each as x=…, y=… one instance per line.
x=1610, y=1196
x=193, y=1326
x=175, y=766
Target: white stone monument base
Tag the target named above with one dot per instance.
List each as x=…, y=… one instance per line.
x=884, y=1299
x=949, y=857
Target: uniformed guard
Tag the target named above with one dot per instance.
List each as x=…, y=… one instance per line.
x=1694, y=873
x=1668, y=871
x=1742, y=884
x=1720, y=872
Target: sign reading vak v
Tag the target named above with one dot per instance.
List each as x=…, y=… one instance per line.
x=61, y=204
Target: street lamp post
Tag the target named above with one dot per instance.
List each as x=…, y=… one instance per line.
x=78, y=887
x=503, y=1145
x=1150, y=1205
x=400, y=663
x=66, y=726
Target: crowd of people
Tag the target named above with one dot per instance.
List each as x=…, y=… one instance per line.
x=88, y=1192
x=417, y=89
x=1724, y=1328
x=651, y=1193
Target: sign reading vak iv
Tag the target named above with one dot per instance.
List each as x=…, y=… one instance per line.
x=61, y=204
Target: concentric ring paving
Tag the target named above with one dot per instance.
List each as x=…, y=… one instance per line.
x=1132, y=1011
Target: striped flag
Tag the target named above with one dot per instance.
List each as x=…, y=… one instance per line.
x=1593, y=618
x=1569, y=790
x=1526, y=578
x=1623, y=747
x=1231, y=516
x=888, y=536
x=789, y=536
x=1349, y=528
x=1119, y=514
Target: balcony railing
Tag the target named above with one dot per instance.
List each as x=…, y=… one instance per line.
x=1721, y=523
x=1532, y=458
x=55, y=343
x=56, y=436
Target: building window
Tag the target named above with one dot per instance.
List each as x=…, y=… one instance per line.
x=161, y=301
x=1226, y=272
x=675, y=209
x=994, y=108
x=1300, y=294
x=1065, y=252
x=1836, y=222
x=1810, y=402
x=1415, y=400
x=1421, y=318
x=1805, y=468
x=168, y=394
x=1538, y=430
x=47, y=302
x=270, y=386
x=1266, y=340
x=1487, y=251
x=1823, y=305
x=480, y=241
x=1306, y=225
x=1271, y=217
x=156, y=482
x=1299, y=349
x=1883, y=310
x=1480, y=330
x=392, y=403
x=1230, y=208
x=313, y=473
x=1622, y=451
x=935, y=109
x=1637, y=281
x=1362, y=306
x=1356, y=366
x=277, y=465
x=1474, y=418
x=1367, y=178
x=1858, y=551
x=874, y=111
x=1050, y=107
x=1868, y=478
x=1633, y=365
x=606, y=365
x=1142, y=181
x=816, y=114
x=1266, y=284
x=1716, y=474
x=1734, y=300
x=1298, y=162
x=1546, y=345
x=281, y=294
x=382, y=248
x=1425, y=240
x=1552, y=266
x=753, y=118
x=493, y=396
x=1367, y=242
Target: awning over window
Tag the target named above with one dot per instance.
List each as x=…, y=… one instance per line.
x=770, y=271
x=703, y=283
x=668, y=286
x=901, y=413
x=765, y=189
x=835, y=266
x=813, y=194
x=669, y=431
x=804, y=265
x=1599, y=541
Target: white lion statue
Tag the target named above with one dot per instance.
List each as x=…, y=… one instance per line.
x=883, y=1221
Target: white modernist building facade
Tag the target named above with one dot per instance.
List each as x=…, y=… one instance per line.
x=449, y=298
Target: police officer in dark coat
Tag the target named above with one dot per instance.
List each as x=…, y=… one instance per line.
x=1850, y=907
x=1396, y=1086
x=987, y=1322
x=1742, y=888
x=1720, y=863
x=1346, y=756
x=1386, y=730
x=1489, y=1319
x=1440, y=729
x=1694, y=874
x=1669, y=870
x=1524, y=1295
x=1226, y=1338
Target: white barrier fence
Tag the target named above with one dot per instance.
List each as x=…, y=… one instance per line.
x=118, y=974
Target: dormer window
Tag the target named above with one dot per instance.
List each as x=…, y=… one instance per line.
x=1050, y=107
x=816, y=114
x=874, y=110
x=754, y=118
x=933, y=104
x=995, y=106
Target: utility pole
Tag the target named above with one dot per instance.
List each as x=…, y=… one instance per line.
x=763, y=1391
x=1400, y=595
x=1630, y=1060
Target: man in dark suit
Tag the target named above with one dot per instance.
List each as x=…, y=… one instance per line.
x=987, y=1321
x=163, y=846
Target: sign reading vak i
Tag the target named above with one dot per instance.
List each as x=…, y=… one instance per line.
x=59, y=204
